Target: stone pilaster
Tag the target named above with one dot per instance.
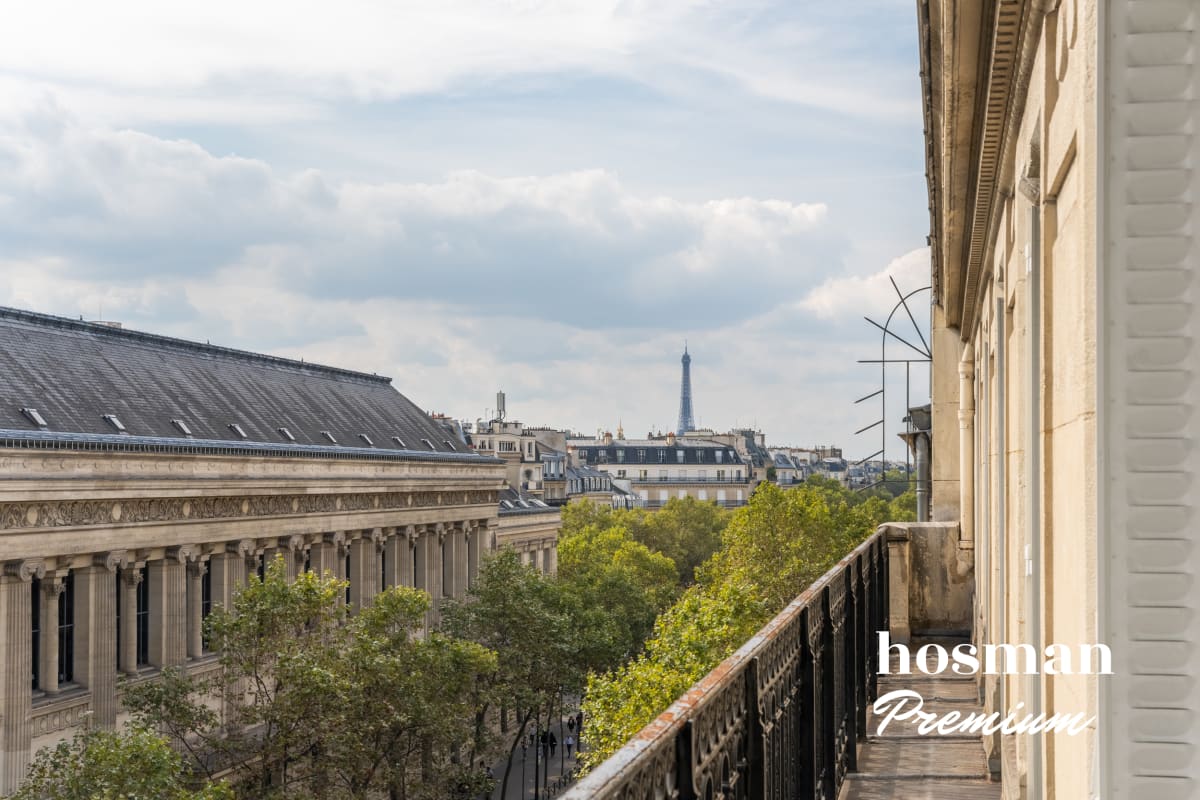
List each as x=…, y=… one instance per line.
x=460, y=566
x=96, y=635
x=475, y=535
x=168, y=609
x=294, y=556
x=323, y=555
x=16, y=640
x=131, y=576
x=363, y=571
x=195, y=609
x=396, y=556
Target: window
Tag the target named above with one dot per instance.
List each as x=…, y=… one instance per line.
x=399, y=442
x=142, y=614
x=620, y=456
x=702, y=474
x=620, y=473
x=662, y=456
x=719, y=454
x=450, y=444
x=35, y=594
x=662, y=495
x=329, y=437
x=428, y=444
x=366, y=440
x=720, y=496
x=206, y=601
x=642, y=456
x=662, y=474
x=346, y=576
x=112, y=419
x=720, y=474
x=737, y=475
x=383, y=584
x=679, y=456
x=702, y=494
x=582, y=456
x=66, y=630
x=33, y=416
x=238, y=430
x=643, y=474
x=285, y=433
x=182, y=427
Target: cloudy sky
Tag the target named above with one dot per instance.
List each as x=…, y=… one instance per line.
x=543, y=196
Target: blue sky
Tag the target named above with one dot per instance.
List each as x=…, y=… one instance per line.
x=544, y=197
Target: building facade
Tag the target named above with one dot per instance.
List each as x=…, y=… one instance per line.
x=144, y=478
x=1061, y=140
x=657, y=470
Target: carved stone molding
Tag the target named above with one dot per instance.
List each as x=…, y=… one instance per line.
x=196, y=569
x=73, y=513
x=26, y=570
x=181, y=554
x=131, y=577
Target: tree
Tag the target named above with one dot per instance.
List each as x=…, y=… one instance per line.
x=525, y=618
x=686, y=530
x=130, y=764
x=618, y=587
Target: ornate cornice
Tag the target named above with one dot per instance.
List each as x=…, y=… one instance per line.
x=78, y=513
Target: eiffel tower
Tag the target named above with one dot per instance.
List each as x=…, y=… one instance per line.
x=686, y=421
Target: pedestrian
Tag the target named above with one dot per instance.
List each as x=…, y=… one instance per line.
x=553, y=742
x=569, y=742
x=571, y=723
x=579, y=722
x=545, y=739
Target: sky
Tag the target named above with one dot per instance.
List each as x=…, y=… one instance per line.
x=547, y=197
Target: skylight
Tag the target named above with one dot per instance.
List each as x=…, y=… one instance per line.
x=429, y=444
x=366, y=439
x=233, y=426
x=329, y=436
x=182, y=427
x=36, y=418
x=285, y=433
x=450, y=444
x=399, y=442
x=111, y=419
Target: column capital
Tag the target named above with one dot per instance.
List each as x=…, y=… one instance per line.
x=197, y=568
x=27, y=569
x=182, y=554
x=379, y=537
x=112, y=560
x=55, y=585
x=296, y=543
x=242, y=547
x=131, y=577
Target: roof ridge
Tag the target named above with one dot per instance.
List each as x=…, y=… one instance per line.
x=100, y=329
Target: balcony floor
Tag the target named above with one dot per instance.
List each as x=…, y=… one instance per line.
x=904, y=764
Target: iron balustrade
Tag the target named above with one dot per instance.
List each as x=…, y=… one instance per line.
x=781, y=717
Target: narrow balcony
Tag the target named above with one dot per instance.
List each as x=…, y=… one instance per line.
x=789, y=715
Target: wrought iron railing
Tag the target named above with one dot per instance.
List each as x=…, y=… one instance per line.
x=781, y=717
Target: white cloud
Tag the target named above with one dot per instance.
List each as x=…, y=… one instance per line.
x=850, y=294
x=175, y=58
x=131, y=207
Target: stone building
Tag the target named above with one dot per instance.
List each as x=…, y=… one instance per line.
x=1060, y=144
x=657, y=470
x=145, y=477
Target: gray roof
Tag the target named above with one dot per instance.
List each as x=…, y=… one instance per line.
x=76, y=372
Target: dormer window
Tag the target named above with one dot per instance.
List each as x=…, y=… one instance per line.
x=329, y=437
x=182, y=427
x=36, y=418
x=285, y=433
x=112, y=419
x=366, y=440
x=233, y=426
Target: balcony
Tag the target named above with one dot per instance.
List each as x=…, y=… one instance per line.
x=789, y=715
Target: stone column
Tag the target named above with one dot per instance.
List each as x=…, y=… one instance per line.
x=195, y=609
x=52, y=589
x=323, y=555
x=552, y=555
x=294, y=556
x=168, y=609
x=397, y=559
x=420, y=562
x=436, y=555
x=96, y=634
x=16, y=639
x=462, y=567
x=131, y=576
x=474, y=536
x=362, y=571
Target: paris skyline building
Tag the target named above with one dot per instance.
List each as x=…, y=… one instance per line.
x=686, y=421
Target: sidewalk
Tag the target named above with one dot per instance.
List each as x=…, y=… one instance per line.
x=521, y=781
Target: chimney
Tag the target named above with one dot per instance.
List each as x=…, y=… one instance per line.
x=608, y=437
x=670, y=438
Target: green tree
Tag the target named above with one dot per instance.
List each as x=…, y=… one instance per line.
x=686, y=530
x=619, y=587
x=525, y=618
x=130, y=764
